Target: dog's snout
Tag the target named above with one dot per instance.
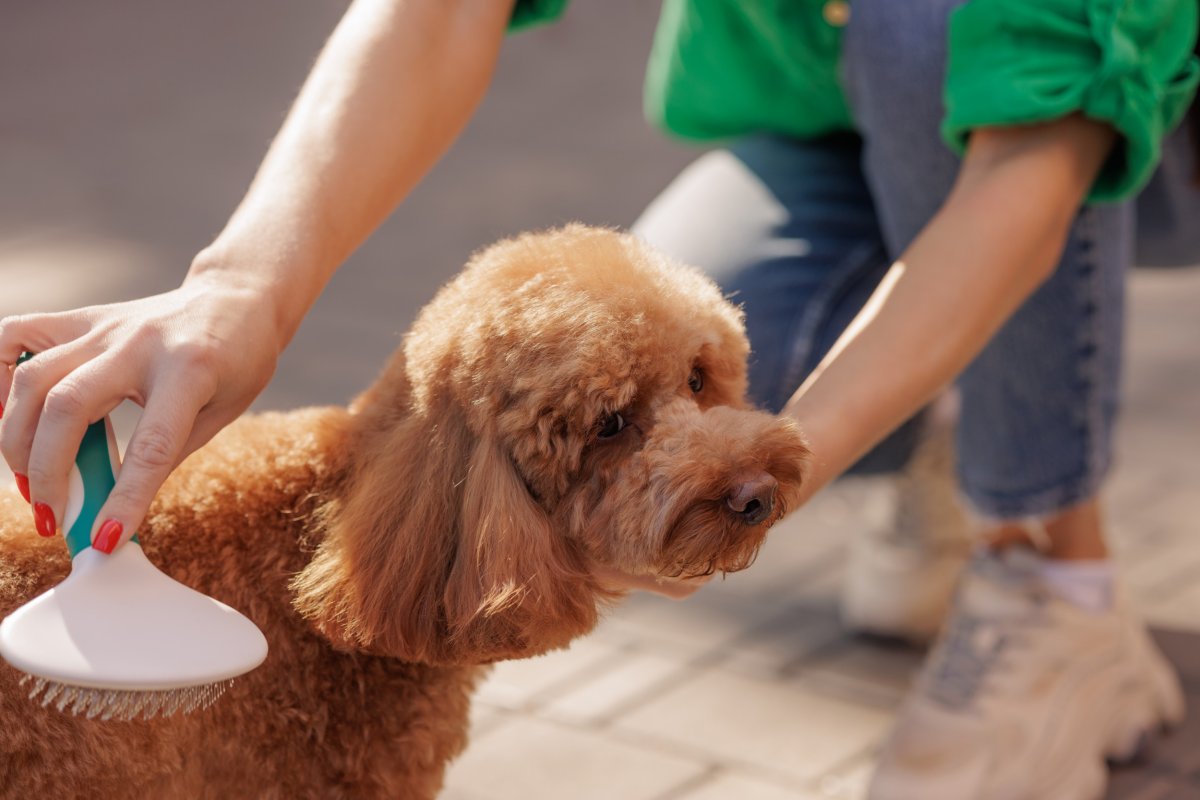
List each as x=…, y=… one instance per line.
x=752, y=498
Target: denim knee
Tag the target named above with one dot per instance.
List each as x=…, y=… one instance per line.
x=1039, y=404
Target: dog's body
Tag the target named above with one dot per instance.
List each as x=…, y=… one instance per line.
x=571, y=401
x=311, y=722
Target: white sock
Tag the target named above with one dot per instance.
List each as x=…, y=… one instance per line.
x=1085, y=584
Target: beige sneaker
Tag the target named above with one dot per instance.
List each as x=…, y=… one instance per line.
x=1024, y=696
x=900, y=580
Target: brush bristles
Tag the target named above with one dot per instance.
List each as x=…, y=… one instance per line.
x=110, y=704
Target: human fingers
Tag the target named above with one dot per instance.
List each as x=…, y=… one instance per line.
x=32, y=333
x=81, y=397
x=36, y=333
x=30, y=383
x=156, y=447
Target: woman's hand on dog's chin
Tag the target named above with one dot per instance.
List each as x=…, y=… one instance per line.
x=194, y=358
x=674, y=588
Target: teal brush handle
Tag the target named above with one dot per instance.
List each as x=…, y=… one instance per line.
x=96, y=477
x=96, y=472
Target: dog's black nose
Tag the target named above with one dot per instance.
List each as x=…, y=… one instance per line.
x=753, y=498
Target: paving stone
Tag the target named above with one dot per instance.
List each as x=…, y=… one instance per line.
x=849, y=782
x=731, y=786
x=794, y=554
x=819, y=573
x=516, y=685
x=780, y=729
x=795, y=562
x=707, y=622
x=1179, y=610
x=530, y=759
x=854, y=501
x=485, y=717
x=775, y=650
x=636, y=676
x=1161, y=575
x=1178, y=512
x=1130, y=487
x=1133, y=544
x=862, y=669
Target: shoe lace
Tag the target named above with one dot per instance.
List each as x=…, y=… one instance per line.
x=972, y=650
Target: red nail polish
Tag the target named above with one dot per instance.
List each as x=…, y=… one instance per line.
x=22, y=485
x=108, y=536
x=43, y=517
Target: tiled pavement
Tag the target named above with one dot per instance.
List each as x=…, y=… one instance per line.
x=128, y=130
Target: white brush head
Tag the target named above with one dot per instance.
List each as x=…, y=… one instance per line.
x=119, y=623
x=117, y=636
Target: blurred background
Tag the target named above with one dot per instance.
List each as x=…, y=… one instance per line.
x=129, y=130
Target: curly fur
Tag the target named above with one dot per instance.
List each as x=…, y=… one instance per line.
x=451, y=517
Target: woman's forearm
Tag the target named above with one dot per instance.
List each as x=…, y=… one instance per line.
x=395, y=84
x=996, y=239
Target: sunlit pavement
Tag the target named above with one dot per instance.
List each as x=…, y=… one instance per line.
x=129, y=130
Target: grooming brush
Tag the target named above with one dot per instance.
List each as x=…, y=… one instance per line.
x=117, y=638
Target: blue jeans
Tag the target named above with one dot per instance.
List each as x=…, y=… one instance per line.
x=801, y=232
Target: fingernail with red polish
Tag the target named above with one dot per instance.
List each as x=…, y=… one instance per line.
x=108, y=536
x=22, y=485
x=43, y=517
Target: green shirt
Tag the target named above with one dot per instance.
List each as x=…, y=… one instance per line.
x=719, y=68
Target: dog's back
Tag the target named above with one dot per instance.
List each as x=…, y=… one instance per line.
x=233, y=522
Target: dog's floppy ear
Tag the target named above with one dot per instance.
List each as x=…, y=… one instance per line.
x=516, y=588
x=436, y=552
x=376, y=580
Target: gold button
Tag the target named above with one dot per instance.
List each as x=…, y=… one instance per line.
x=837, y=13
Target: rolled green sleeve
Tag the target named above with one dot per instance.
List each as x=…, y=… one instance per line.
x=527, y=13
x=1125, y=62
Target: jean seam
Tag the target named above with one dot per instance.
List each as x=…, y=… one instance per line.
x=1090, y=421
x=1094, y=427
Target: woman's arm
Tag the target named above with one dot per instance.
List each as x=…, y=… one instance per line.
x=998, y=236
x=394, y=85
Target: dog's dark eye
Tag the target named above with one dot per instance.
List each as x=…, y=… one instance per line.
x=696, y=381
x=610, y=426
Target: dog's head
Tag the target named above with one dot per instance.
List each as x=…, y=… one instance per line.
x=572, y=400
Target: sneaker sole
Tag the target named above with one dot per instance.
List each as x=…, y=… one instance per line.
x=1154, y=702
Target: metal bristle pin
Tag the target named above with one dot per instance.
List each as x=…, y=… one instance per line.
x=123, y=705
x=118, y=639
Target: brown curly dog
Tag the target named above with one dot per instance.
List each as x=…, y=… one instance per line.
x=572, y=401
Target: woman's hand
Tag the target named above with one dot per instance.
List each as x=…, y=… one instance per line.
x=194, y=358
